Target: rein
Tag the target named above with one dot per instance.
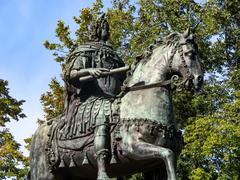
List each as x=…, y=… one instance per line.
x=174, y=80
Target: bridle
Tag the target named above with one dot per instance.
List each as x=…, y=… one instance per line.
x=174, y=80
x=185, y=71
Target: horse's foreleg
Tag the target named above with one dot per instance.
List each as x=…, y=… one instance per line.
x=144, y=151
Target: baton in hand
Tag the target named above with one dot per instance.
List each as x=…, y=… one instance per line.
x=113, y=71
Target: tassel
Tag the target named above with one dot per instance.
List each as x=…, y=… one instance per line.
x=62, y=164
x=85, y=159
x=113, y=159
x=72, y=164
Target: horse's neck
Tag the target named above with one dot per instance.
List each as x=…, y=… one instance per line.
x=152, y=70
x=154, y=103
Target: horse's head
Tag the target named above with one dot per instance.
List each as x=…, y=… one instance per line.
x=184, y=60
x=175, y=54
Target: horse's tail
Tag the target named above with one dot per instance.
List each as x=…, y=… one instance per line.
x=38, y=159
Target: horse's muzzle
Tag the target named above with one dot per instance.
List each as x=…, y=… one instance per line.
x=196, y=82
x=188, y=84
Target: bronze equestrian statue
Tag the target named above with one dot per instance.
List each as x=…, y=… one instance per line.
x=114, y=125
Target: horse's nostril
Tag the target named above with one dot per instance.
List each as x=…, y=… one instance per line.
x=200, y=78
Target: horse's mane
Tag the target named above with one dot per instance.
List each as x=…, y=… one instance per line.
x=170, y=40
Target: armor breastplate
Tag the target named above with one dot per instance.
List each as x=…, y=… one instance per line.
x=99, y=55
x=110, y=85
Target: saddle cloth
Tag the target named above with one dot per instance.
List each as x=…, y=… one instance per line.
x=78, y=131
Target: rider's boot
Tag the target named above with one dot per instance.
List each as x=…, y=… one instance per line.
x=101, y=145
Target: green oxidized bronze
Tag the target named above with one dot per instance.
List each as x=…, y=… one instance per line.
x=115, y=125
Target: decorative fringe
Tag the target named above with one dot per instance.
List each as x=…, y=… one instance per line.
x=62, y=164
x=113, y=159
x=72, y=164
x=85, y=159
x=114, y=153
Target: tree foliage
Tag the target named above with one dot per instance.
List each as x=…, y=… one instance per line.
x=212, y=145
x=52, y=100
x=209, y=119
x=12, y=162
x=10, y=108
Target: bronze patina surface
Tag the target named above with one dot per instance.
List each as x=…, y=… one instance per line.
x=115, y=125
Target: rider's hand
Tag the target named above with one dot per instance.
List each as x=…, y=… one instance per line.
x=97, y=72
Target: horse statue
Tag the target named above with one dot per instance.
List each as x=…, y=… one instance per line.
x=144, y=137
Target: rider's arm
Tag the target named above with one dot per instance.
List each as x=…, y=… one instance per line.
x=79, y=73
x=79, y=70
x=95, y=72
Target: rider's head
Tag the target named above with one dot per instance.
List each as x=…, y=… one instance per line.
x=100, y=30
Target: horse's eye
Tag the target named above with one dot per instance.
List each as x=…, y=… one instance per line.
x=190, y=54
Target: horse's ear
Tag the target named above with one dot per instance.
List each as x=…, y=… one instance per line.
x=187, y=33
x=170, y=38
x=191, y=37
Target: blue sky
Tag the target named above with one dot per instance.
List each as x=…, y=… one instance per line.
x=24, y=62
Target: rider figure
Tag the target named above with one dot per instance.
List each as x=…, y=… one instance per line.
x=93, y=58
